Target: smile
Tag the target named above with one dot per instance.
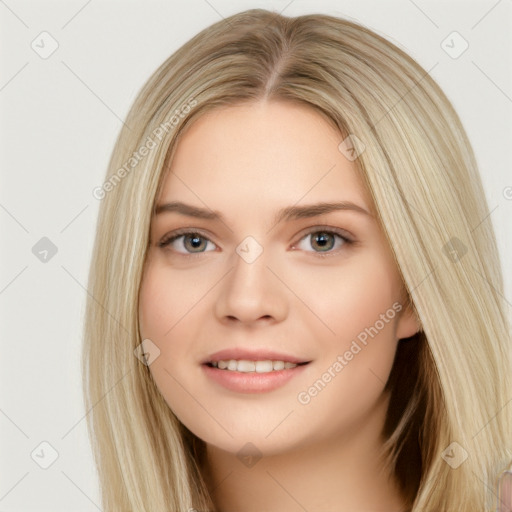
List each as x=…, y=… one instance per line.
x=246, y=366
x=246, y=376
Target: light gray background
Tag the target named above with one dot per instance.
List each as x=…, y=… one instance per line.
x=59, y=120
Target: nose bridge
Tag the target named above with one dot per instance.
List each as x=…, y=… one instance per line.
x=250, y=290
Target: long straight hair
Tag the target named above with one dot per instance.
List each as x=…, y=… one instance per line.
x=450, y=383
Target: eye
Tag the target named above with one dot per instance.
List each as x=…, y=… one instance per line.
x=187, y=242
x=323, y=241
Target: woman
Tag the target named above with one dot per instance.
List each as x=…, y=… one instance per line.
x=294, y=244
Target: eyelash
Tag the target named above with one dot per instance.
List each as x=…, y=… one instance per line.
x=171, y=237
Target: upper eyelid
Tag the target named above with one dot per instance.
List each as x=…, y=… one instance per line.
x=185, y=231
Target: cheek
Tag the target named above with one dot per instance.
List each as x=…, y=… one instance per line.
x=346, y=387
x=169, y=307
x=349, y=298
x=163, y=317
x=360, y=305
x=166, y=299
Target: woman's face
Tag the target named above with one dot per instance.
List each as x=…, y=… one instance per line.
x=265, y=280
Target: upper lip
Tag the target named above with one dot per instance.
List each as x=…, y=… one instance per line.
x=260, y=354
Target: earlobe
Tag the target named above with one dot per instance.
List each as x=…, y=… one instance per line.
x=408, y=323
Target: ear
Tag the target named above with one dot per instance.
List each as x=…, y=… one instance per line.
x=408, y=323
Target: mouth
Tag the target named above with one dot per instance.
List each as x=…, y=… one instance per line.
x=253, y=366
x=246, y=371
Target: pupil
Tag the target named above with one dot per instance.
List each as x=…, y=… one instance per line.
x=195, y=241
x=322, y=240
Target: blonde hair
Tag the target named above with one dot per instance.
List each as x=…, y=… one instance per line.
x=450, y=381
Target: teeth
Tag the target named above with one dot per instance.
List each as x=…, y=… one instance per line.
x=243, y=366
x=278, y=365
x=263, y=366
x=246, y=366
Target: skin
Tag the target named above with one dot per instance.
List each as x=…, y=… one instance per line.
x=247, y=162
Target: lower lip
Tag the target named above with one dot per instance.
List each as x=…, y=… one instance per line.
x=252, y=382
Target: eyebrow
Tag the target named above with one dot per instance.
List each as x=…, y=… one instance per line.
x=285, y=214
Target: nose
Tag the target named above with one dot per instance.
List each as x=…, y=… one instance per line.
x=251, y=293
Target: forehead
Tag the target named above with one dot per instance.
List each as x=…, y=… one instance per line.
x=262, y=154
